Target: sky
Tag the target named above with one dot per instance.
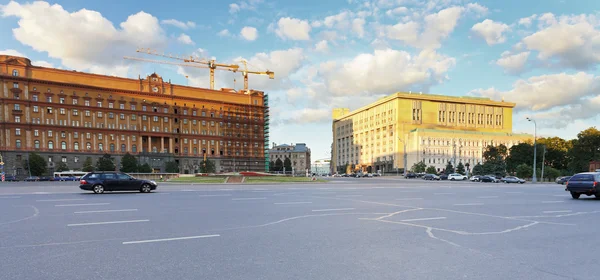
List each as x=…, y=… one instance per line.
x=542, y=55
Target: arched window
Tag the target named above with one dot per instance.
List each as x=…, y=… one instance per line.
x=112, y=147
x=134, y=148
x=63, y=145
x=15, y=73
x=18, y=144
x=76, y=146
x=123, y=148
x=50, y=145
x=36, y=144
x=100, y=147
x=88, y=145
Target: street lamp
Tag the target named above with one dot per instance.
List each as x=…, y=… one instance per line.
x=404, y=152
x=534, y=179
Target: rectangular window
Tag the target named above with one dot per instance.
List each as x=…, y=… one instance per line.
x=156, y=118
x=99, y=114
x=87, y=113
x=17, y=119
x=49, y=133
x=88, y=135
x=17, y=131
x=15, y=85
x=75, y=112
x=111, y=105
x=144, y=108
x=36, y=133
x=194, y=113
x=61, y=100
x=18, y=107
x=76, y=159
x=122, y=116
x=99, y=136
x=62, y=111
x=99, y=103
x=63, y=134
x=35, y=97
x=133, y=117
x=166, y=119
x=111, y=115
x=49, y=99
x=74, y=101
x=75, y=134
x=144, y=117
x=86, y=103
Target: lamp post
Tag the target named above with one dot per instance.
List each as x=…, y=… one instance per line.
x=534, y=179
x=404, y=155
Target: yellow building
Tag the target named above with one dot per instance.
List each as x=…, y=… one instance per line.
x=430, y=128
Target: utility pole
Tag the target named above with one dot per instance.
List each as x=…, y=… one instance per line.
x=453, y=153
x=534, y=179
x=543, y=161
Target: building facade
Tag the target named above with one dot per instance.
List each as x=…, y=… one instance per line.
x=68, y=116
x=299, y=155
x=411, y=128
x=321, y=166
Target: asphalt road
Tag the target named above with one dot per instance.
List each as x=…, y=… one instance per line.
x=370, y=228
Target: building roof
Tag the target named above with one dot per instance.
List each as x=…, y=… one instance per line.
x=431, y=97
x=298, y=148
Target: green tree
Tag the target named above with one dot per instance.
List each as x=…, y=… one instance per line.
x=88, y=165
x=556, y=152
x=449, y=168
x=419, y=167
x=495, y=153
x=460, y=168
x=35, y=164
x=171, y=167
x=105, y=163
x=279, y=165
x=431, y=170
x=287, y=164
x=521, y=153
x=129, y=164
x=524, y=171
x=478, y=169
x=585, y=149
x=207, y=166
x=550, y=173
x=62, y=166
x=272, y=166
x=145, y=168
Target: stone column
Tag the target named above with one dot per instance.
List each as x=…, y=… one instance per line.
x=149, y=144
x=171, y=150
x=162, y=144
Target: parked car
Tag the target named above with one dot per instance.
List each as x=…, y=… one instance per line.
x=443, y=176
x=411, y=175
x=10, y=178
x=562, y=180
x=32, y=179
x=495, y=178
x=99, y=182
x=431, y=177
x=475, y=178
x=513, y=179
x=456, y=177
x=584, y=183
x=487, y=179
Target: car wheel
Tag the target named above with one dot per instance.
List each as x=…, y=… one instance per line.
x=98, y=189
x=146, y=188
x=464, y=178
x=575, y=195
x=452, y=179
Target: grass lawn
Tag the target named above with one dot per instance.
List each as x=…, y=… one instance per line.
x=201, y=180
x=278, y=179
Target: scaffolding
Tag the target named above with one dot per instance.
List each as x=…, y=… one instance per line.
x=266, y=132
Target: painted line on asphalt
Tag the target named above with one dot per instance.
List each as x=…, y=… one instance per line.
x=349, y=195
x=10, y=197
x=424, y=219
x=87, y=204
x=443, y=193
x=249, y=198
x=409, y=191
x=553, y=201
x=468, y=204
x=491, y=196
x=64, y=199
x=105, y=211
x=108, y=223
x=213, y=195
x=513, y=192
x=226, y=189
x=411, y=198
x=327, y=210
x=557, y=211
x=170, y=239
x=294, y=202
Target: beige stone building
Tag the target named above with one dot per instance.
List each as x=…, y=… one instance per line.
x=299, y=155
x=430, y=128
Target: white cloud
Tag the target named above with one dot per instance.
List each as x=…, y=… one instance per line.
x=234, y=8
x=185, y=39
x=293, y=29
x=179, y=24
x=307, y=115
x=322, y=46
x=527, y=21
x=244, y=5
x=12, y=52
x=384, y=72
x=358, y=27
x=569, y=41
x=513, y=63
x=492, y=32
x=83, y=40
x=547, y=92
x=249, y=33
x=437, y=26
x=396, y=11
x=282, y=62
x=224, y=33
x=477, y=9
x=43, y=63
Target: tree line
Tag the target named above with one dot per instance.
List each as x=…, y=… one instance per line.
x=279, y=165
x=558, y=156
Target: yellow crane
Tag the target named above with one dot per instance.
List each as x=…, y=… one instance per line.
x=210, y=64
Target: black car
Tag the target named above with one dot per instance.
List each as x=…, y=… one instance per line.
x=99, y=182
x=562, y=180
x=487, y=179
x=431, y=177
x=584, y=183
x=10, y=178
x=444, y=177
x=512, y=179
x=411, y=175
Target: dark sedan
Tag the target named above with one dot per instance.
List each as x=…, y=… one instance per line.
x=562, y=180
x=512, y=179
x=487, y=179
x=587, y=183
x=99, y=182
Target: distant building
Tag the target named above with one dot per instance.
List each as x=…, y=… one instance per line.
x=433, y=129
x=321, y=166
x=594, y=166
x=299, y=155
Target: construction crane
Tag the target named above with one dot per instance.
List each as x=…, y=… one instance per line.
x=170, y=63
x=210, y=64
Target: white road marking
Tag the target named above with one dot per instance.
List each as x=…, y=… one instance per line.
x=10, y=197
x=212, y=195
x=226, y=189
x=424, y=219
x=408, y=191
x=170, y=239
x=468, y=204
x=487, y=196
x=249, y=198
x=558, y=211
x=107, y=223
x=553, y=201
x=294, y=202
x=442, y=193
x=88, y=204
x=65, y=199
x=105, y=211
x=513, y=192
x=350, y=195
x=411, y=198
x=338, y=209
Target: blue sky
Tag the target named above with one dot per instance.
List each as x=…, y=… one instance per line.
x=543, y=55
